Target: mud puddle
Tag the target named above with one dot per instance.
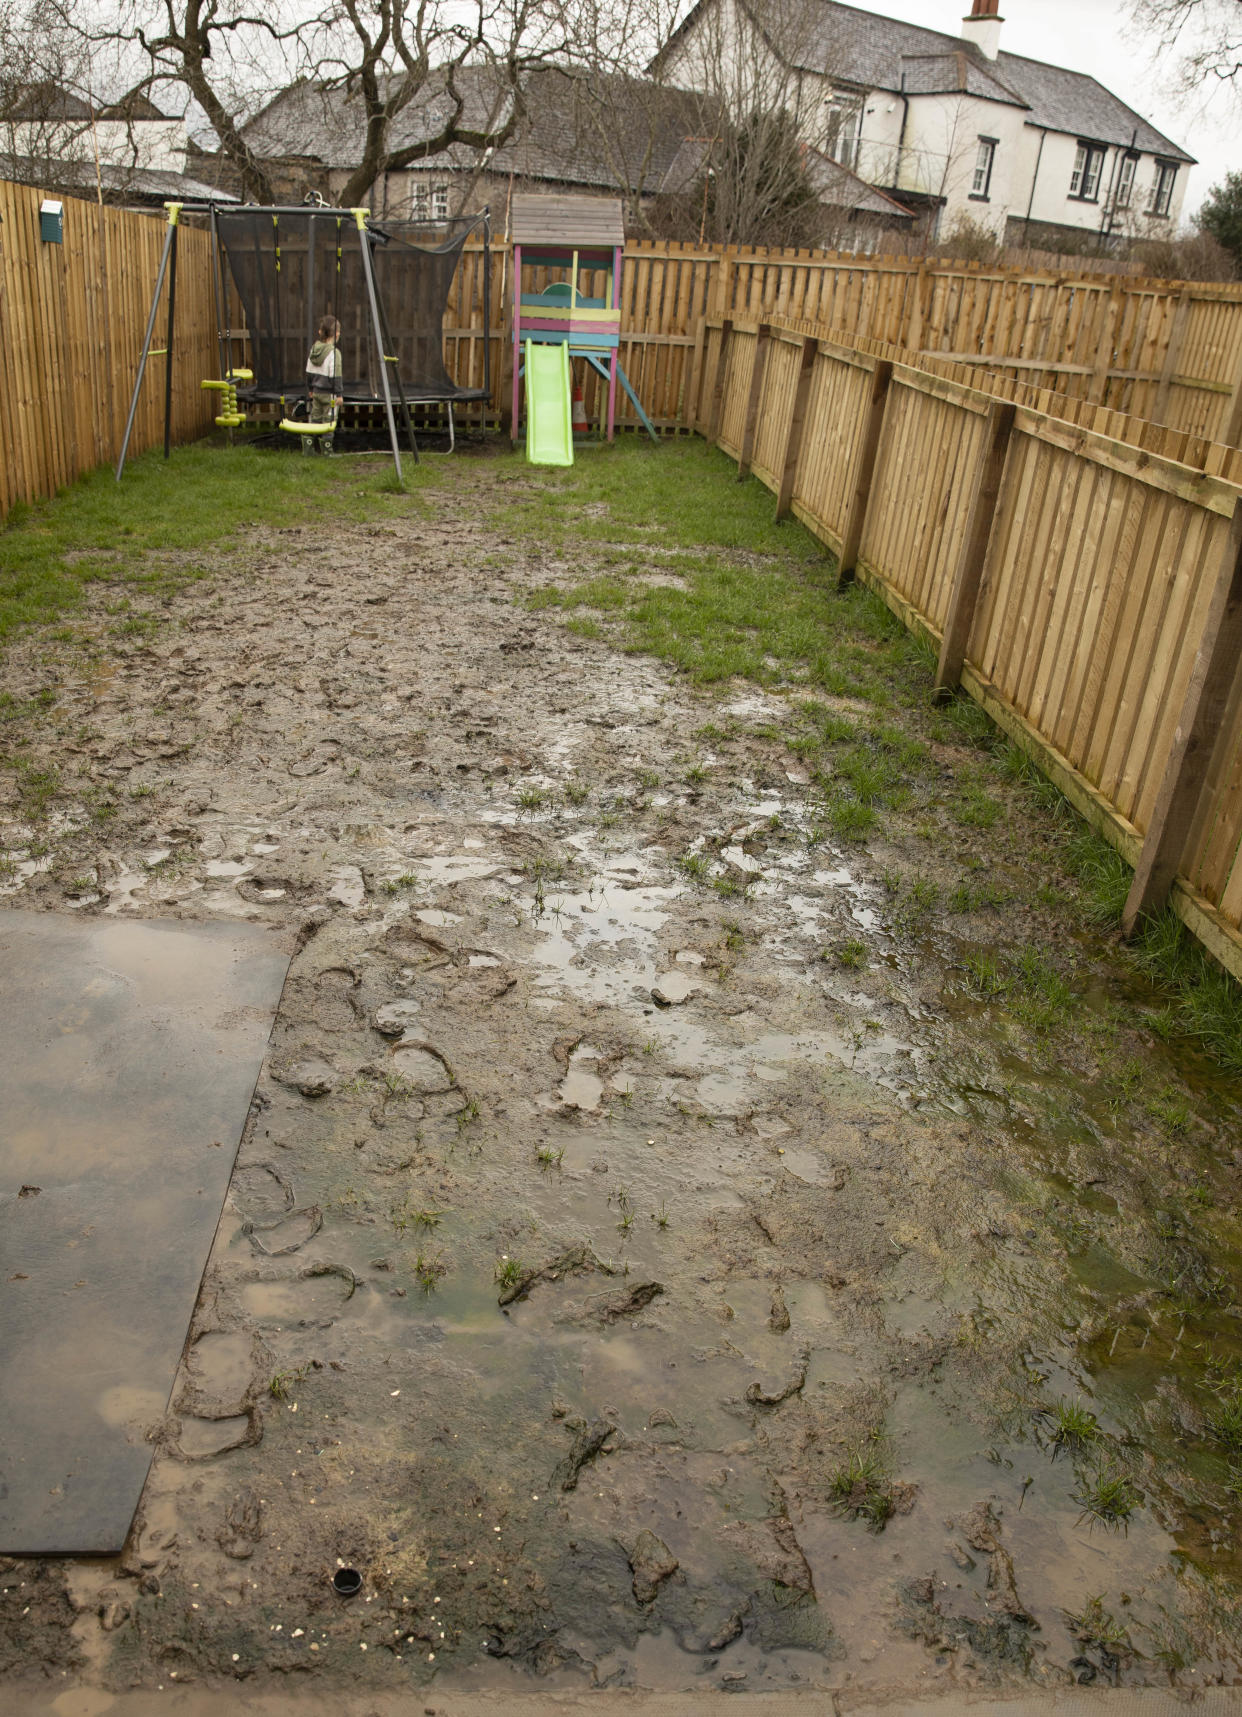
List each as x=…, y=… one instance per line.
x=634, y=1295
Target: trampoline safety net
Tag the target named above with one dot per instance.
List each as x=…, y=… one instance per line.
x=290, y=270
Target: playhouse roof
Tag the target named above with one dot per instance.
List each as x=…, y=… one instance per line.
x=581, y=222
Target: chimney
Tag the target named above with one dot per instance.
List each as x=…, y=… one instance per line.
x=983, y=27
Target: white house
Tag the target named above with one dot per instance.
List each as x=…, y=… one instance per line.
x=949, y=125
x=43, y=121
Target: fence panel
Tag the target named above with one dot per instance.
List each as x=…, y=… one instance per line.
x=916, y=524
x=75, y=314
x=836, y=414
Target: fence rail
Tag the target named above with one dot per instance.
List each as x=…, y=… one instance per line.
x=74, y=315
x=1088, y=595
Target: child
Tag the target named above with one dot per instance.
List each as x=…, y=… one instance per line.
x=323, y=377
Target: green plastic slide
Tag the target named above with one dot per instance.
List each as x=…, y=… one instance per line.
x=549, y=405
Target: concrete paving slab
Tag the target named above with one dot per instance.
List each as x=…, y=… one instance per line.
x=129, y=1053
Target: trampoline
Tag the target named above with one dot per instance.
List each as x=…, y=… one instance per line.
x=387, y=283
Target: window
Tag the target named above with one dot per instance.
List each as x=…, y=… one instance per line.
x=981, y=184
x=843, y=122
x=1085, y=179
x=1125, y=182
x=430, y=203
x=1162, y=190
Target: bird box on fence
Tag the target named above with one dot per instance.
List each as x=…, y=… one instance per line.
x=51, y=221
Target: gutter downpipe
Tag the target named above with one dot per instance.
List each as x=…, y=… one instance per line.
x=901, y=140
x=1106, y=213
x=1030, y=202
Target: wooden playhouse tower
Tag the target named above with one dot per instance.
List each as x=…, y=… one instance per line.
x=574, y=236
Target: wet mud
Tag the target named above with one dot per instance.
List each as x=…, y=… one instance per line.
x=633, y=1295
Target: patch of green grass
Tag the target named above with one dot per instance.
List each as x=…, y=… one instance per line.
x=1108, y=1498
x=37, y=787
x=509, y=1272
x=428, y=1272
x=861, y=1489
x=146, y=534
x=975, y=809
x=1096, y=1625
x=1071, y=1425
x=281, y=1385
x=1201, y=1000
x=969, y=896
x=1224, y=1418
x=852, y=953
x=984, y=974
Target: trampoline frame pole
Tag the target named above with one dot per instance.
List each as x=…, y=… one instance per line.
x=146, y=339
x=173, y=227
x=217, y=286
x=364, y=239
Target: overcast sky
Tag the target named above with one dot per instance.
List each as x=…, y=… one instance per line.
x=1096, y=36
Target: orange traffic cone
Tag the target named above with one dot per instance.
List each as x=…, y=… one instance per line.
x=580, y=424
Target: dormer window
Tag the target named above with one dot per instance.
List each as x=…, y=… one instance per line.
x=1162, y=190
x=1088, y=165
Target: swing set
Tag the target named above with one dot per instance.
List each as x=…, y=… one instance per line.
x=292, y=265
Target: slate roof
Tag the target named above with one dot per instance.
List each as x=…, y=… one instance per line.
x=136, y=185
x=613, y=133
x=862, y=48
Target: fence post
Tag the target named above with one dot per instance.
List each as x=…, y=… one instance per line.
x=758, y=369
x=1172, y=356
x=718, y=381
x=969, y=575
x=852, y=540
x=694, y=387
x=793, y=441
x=1216, y=662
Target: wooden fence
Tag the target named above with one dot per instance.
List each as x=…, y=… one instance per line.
x=1088, y=596
x=74, y=315
x=1166, y=351
x=1140, y=350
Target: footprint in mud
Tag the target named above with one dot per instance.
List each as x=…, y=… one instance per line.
x=200, y=1439
x=336, y=1006
x=222, y=1366
x=288, y=1233
x=423, y=1068
x=260, y=1192
x=310, y=1299
x=581, y=1087
x=317, y=759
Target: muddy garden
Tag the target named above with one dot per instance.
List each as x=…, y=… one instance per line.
x=721, y=1209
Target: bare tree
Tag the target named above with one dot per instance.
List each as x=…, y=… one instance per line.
x=1206, y=34
x=741, y=171
x=45, y=108
x=386, y=58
